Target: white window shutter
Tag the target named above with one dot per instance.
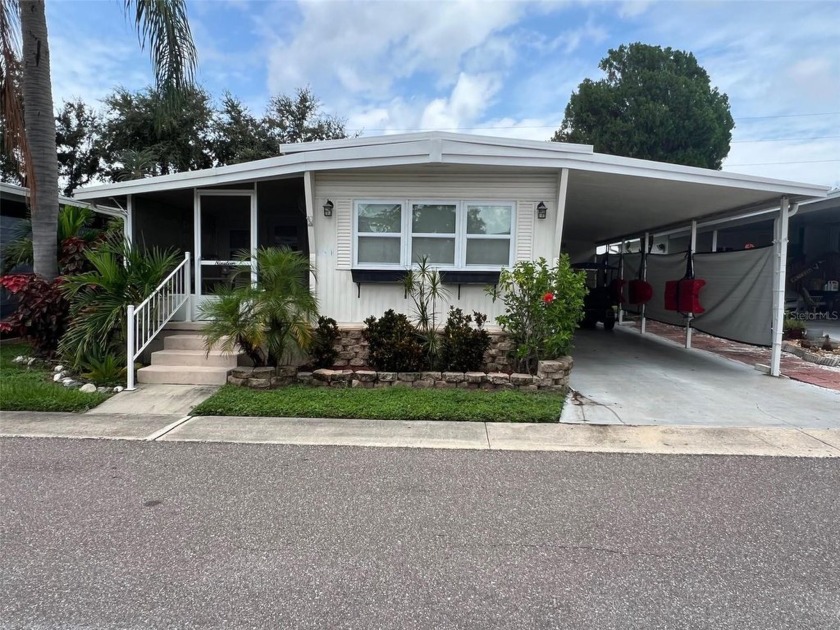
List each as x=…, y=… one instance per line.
x=343, y=234
x=525, y=230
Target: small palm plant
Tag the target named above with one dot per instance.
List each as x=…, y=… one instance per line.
x=121, y=274
x=424, y=285
x=270, y=320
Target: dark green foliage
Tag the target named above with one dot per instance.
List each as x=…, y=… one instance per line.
x=324, y=338
x=42, y=313
x=393, y=403
x=108, y=369
x=299, y=119
x=462, y=345
x=238, y=136
x=543, y=306
x=31, y=388
x=77, y=129
x=120, y=275
x=178, y=142
x=654, y=104
x=394, y=345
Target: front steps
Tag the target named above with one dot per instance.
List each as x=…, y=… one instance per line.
x=184, y=361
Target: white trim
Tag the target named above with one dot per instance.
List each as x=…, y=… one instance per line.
x=460, y=235
x=309, y=202
x=128, y=223
x=562, y=193
x=463, y=149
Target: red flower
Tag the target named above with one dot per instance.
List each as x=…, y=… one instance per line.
x=548, y=298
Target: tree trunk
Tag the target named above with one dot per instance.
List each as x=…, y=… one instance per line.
x=40, y=132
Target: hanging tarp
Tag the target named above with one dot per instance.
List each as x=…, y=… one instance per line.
x=738, y=295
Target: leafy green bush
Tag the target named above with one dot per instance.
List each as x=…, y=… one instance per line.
x=108, y=369
x=324, y=337
x=462, y=345
x=42, y=312
x=543, y=306
x=121, y=275
x=394, y=345
x=270, y=321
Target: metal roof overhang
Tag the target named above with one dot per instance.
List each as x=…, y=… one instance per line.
x=609, y=197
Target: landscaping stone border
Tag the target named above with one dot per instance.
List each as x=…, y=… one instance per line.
x=551, y=376
x=812, y=357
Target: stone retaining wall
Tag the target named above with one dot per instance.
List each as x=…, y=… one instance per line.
x=551, y=376
x=812, y=357
x=353, y=350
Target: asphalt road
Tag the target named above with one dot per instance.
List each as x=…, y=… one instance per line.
x=117, y=534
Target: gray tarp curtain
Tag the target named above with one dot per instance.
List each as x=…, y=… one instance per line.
x=738, y=296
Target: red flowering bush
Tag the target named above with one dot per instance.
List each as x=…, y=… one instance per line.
x=42, y=313
x=543, y=305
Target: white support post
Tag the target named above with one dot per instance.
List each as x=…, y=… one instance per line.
x=562, y=189
x=188, y=287
x=621, y=279
x=308, y=193
x=691, y=249
x=129, y=364
x=128, y=224
x=196, y=244
x=779, y=280
x=714, y=240
x=643, y=263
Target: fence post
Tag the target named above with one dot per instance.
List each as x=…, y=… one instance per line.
x=129, y=363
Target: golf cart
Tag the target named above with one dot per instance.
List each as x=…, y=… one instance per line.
x=599, y=304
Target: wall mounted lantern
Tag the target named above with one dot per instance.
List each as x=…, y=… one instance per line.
x=328, y=208
x=541, y=210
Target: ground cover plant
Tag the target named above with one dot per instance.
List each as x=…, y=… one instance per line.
x=31, y=388
x=393, y=403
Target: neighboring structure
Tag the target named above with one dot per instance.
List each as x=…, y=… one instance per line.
x=364, y=209
x=13, y=211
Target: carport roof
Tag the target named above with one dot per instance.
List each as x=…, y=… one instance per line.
x=609, y=197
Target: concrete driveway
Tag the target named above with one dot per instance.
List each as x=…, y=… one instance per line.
x=623, y=377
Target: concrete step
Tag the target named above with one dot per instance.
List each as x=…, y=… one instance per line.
x=186, y=342
x=183, y=375
x=186, y=326
x=198, y=358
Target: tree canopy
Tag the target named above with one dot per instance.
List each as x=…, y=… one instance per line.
x=654, y=104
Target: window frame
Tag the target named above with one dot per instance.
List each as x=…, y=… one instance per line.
x=460, y=236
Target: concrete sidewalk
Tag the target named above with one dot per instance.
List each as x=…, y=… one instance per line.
x=674, y=440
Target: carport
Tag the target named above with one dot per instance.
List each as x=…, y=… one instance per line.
x=630, y=208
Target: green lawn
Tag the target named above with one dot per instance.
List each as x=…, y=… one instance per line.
x=32, y=388
x=385, y=404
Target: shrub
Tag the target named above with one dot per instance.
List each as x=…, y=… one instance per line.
x=394, y=345
x=543, y=306
x=121, y=274
x=462, y=345
x=324, y=337
x=42, y=312
x=270, y=321
x=105, y=370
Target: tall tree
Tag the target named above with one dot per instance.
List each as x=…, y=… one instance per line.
x=180, y=142
x=654, y=104
x=162, y=25
x=299, y=119
x=238, y=136
x=77, y=128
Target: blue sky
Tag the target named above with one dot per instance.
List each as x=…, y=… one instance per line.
x=486, y=66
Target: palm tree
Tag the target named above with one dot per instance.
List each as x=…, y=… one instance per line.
x=161, y=24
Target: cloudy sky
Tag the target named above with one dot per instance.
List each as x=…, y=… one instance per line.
x=492, y=67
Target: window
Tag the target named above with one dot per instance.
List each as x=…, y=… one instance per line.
x=452, y=234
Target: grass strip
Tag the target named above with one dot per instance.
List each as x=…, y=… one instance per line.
x=31, y=388
x=393, y=403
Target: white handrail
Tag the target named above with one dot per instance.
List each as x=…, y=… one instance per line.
x=146, y=320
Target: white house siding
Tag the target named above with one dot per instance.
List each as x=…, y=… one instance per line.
x=339, y=297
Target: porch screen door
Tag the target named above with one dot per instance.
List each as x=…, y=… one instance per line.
x=226, y=229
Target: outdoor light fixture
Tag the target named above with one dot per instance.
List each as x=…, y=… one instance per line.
x=541, y=210
x=328, y=208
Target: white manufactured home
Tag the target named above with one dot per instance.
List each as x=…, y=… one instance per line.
x=364, y=209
